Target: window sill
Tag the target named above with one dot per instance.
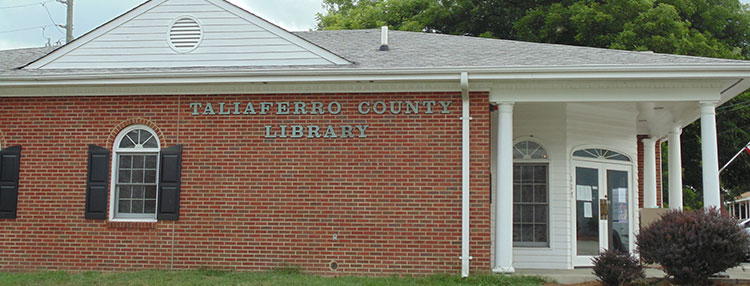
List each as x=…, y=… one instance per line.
x=132, y=224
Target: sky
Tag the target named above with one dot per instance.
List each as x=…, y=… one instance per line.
x=26, y=23
x=30, y=23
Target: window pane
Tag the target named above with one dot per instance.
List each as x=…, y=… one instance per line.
x=540, y=214
x=527, y=193
x=126, y=142
x=540, y=174
x=540, y=193
x=517, y=213
x=516, y=174
x=516, y=193
x=583, y=153
x=150, y=142
x=150, y=192
x=124, y=206
x=138, y=161
x=125, y=192
x=151, y=162
x=124, y=176
x=527, y=232
x=540, y=233
x=137, y=207
x=138, y=192
x=150, y=207
x=527, y=174
x=137, y=176
x=125, y=161
x=517, y=232
x=527, y=213
x=150, y=176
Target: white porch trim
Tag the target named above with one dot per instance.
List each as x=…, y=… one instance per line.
x=504, y=191
x=710, y=156
x=649, y=173
x=675, y=169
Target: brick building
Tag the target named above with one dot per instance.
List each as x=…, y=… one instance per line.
x=191, y=133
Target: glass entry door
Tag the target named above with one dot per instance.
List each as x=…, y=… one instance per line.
x=602, y=214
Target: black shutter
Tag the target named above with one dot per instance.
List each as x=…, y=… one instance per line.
x=10, y=165
x=97, y=183
x=169, y=183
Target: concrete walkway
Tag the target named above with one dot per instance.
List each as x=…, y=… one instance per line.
x=581, y=275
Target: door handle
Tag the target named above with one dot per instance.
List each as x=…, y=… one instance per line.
x=603, y=209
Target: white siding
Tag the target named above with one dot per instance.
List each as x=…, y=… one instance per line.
x=561, y=127
x=228, y=40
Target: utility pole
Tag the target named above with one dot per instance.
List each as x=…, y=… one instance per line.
x=68, y=21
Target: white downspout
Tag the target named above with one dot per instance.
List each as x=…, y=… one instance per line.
x=465, y=170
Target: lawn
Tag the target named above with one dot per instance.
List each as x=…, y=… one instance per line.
x=270, y=278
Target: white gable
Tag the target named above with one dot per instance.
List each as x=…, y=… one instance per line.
x=226, y=35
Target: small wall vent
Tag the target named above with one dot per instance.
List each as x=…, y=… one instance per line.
x=185, y=34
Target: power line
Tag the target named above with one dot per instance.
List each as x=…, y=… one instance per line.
x=52, y=20
x=26, y=29
x=25, y=5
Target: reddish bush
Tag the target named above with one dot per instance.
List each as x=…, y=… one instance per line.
x=693, y=245
x=615, y=268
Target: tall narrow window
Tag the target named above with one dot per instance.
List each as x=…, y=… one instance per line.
x=136, y=164
x=530, y=195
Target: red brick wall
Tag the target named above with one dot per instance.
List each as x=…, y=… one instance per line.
x=640, y=172
x=249, y=203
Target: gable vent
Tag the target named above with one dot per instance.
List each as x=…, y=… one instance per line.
x=185, y=34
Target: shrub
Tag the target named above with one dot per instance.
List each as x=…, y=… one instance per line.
x=693, y=245
x=615, y=268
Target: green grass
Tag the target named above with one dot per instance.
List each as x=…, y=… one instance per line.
x=283, y=276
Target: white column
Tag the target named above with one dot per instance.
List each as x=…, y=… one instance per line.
x=675, y=169
x=504, y=191
x=649, y=173
x=710, y=155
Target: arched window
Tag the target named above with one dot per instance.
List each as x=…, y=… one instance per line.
x=601, y=154
x=135, y=159
x=530, y=195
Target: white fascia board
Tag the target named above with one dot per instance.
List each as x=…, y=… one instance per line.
x=92, y=35
x=728, y=71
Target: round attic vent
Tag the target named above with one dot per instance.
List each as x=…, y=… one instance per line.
x=185, y=34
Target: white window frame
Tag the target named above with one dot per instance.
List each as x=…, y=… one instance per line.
x=116, y=151
x=530, y=161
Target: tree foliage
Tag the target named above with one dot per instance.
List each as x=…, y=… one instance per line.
x=710, y=28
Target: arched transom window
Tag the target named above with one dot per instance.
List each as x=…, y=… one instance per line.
x=135, y=178
x=601, y=154
x=530, y=195
x=528, y=150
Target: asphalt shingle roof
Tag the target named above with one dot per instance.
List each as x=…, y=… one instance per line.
x=423, y=50
x=11, y=59
x=414, y=49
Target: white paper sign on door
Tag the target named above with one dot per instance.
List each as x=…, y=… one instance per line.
x=587, y=210
x=622, y=195
x=583, y=193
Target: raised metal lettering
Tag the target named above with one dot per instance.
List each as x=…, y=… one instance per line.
x=209, y=110
x=195, y=107
x=380, y=110
x=362, y=129
x=283, y=108
x=445, y=105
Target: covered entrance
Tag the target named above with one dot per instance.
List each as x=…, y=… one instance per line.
x=603, y=193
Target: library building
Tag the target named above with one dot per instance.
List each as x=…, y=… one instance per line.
x=191, y=134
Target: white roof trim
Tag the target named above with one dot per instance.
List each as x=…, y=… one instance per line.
x=145, y=7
